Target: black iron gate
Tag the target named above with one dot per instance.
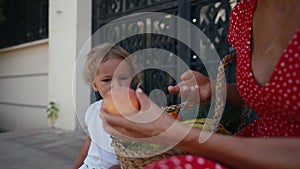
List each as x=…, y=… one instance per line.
x=211, y=16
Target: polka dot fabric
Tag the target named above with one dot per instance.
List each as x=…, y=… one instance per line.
x=185, y=162
x=277, y=103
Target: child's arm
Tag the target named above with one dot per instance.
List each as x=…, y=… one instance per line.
x=82, y=154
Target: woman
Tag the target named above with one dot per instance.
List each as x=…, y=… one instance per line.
x=266, y=36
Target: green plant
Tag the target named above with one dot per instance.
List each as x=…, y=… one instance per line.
x=52, y=111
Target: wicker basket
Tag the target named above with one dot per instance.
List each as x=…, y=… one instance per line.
x=136, y=159
x=131, y=157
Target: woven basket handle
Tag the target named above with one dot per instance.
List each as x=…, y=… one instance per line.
x=220, y=89
x=220, y=98
x=219, y=92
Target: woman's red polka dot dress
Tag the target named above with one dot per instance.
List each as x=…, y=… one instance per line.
x=277, y=103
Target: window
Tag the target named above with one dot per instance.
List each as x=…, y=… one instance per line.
x=25, y=21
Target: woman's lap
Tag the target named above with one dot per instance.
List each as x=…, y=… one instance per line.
x=185, y=162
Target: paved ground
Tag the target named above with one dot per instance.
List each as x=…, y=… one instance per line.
x=46, y=149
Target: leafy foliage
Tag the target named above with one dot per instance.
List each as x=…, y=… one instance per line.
x=52, y=111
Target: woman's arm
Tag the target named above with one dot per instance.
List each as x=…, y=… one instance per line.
x=235, y=152
x=233, y=96
x=231, y=151
x=82, y=154
x=238, y=152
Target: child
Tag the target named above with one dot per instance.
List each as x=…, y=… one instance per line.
x=99, y=72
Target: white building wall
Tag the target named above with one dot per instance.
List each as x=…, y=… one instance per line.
x=35, y=73
x=70, y=27
x=24, y=86
x=84, y=30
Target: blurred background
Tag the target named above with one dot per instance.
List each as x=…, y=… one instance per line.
x=40, y=41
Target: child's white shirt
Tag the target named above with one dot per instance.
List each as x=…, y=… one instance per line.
x=101, y=154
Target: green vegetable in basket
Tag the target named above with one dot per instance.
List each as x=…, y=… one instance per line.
x=200, y=124
x=136, y=146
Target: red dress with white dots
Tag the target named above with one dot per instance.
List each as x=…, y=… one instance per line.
x=277, y=103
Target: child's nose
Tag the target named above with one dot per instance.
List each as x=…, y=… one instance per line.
x=116, y=83
x=119, y=83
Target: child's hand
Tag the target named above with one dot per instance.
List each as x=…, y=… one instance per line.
x=195, y=87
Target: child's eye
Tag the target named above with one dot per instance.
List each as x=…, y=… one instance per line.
x=124, y=78
x=106, y=80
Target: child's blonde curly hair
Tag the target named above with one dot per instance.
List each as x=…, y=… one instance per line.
x=101, y=54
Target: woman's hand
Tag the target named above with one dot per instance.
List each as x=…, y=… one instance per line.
x=151, y=124
x=194, y=87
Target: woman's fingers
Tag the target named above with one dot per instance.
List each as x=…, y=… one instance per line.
x=126, y=128
x=118, y=126
x=111, y=119
x=143, y=99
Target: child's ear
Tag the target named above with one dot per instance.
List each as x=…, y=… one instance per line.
x=94, y=87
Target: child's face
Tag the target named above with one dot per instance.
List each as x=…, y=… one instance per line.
x=105, y=78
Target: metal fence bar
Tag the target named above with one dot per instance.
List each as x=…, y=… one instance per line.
x=25, y=21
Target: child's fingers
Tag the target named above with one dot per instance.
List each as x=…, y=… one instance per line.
x=193, y=96
x=185, y=92
x=187, y=75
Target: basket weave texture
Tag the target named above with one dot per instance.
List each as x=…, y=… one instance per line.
x=137, y=159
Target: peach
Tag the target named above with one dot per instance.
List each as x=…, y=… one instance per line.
x=121, y=101
x=175, y=115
